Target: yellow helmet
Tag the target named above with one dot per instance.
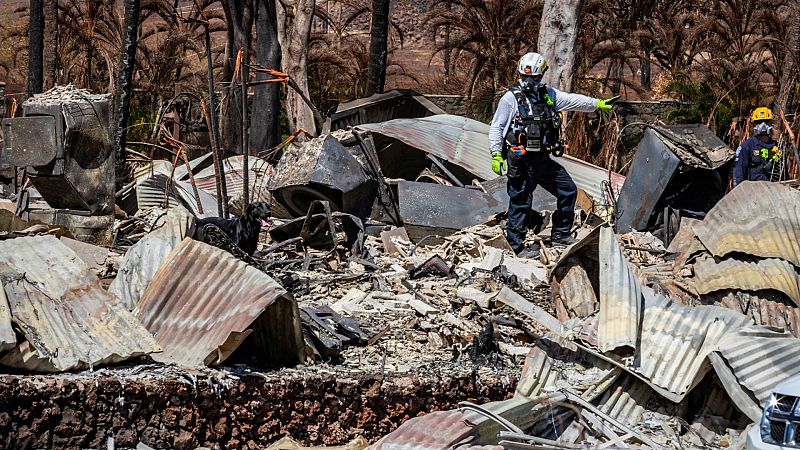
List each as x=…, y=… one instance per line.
x=761, y=113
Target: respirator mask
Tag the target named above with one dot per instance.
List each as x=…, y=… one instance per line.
x=763, y=128
x=531, y=83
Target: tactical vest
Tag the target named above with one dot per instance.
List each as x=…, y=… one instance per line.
x=536, y=124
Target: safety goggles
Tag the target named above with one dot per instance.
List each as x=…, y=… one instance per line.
x=533, y=78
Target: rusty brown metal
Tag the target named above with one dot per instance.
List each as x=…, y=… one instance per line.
x=68, y=319
x=765, y=311
x=203, y=303
x=758, y=218
x=759, y=275
x=437, y=430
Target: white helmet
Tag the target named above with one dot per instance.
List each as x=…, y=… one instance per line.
x=532, y=64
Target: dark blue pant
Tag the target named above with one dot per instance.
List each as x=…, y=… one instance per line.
x=542, y=171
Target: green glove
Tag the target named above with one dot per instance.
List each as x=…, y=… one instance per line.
x=497, y=163
x=604, y=105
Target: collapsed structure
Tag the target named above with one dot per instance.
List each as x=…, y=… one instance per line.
x=387, y=256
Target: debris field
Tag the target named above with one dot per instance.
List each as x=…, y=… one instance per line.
x=383, y=307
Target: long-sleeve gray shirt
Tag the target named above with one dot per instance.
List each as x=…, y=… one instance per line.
x=507, y=108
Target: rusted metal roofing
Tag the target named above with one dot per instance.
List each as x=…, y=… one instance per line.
x=758, y=218
x=465, y=142
x=202, y=303
x=676, y=340
x=765, y=311
x=434, y=431
x=770, y=273
x=58, y=304
x=620, y=296
x=760, y=358
x=144, y=258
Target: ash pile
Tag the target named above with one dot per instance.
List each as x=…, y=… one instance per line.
x=381, y=248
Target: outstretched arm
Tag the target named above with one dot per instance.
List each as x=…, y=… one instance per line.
x=567, y=101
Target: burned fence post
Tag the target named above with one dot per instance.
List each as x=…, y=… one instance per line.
x=123, y=95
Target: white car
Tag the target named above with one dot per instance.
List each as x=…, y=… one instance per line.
x=780, y=422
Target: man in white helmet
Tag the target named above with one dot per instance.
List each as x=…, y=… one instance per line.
x=525, y=129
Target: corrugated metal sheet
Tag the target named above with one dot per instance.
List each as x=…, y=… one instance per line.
x=69, y=320
x=758, y=218
x=150, y=193
x=676, y=339
x=620, y=296
x=434, y=431
x=538, y=375
x=626, y=400
x=465, y=142
x=765, y=311
x=234, y=176
x=771, y=273
x=761, y=358
x=144, y=258
x=202, y=303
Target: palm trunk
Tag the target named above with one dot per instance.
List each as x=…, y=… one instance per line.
x=378, y=47
x=125, y=85
x=50, y=43
x=239, y=16
x=35, y=47
x=266, y=98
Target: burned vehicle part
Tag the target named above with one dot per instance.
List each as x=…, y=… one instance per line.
x=683, y=167
x=323, y=230
x=322, y=169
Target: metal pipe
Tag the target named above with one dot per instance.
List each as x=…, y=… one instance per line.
x=439, y=165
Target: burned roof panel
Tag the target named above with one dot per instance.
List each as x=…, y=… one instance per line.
x=676, y=339
x=69, y=320
x=202, y=303
x=437, y=430
x=143, y=259
x=770, y=273
x=465, y=143
x=620, y=296
x=759, y=358
x=758, y=218
x=7, y=337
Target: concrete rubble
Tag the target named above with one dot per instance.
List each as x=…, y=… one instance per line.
x=395, y=272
